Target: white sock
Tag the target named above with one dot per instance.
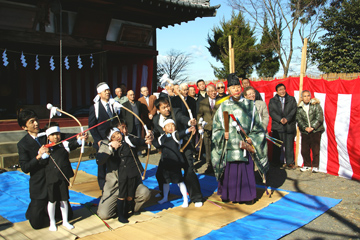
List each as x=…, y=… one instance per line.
x=64, y=207
x=166, y=189
x=183, y=191
x=51, y=213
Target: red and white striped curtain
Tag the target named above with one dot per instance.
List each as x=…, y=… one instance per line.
x=340, y=100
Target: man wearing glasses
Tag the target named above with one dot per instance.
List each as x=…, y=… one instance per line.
x=220, y=88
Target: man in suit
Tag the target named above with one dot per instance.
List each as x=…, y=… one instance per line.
x=282, y=109
x=99, y=112
x=207, y=110
x=148, y=101
x=182, y=122
x=134, y=125
x=31, y=153
x=201, y=94
x=31, y=148
x=192, y=92
x=178, y=103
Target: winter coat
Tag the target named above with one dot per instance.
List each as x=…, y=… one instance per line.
x=316, y=117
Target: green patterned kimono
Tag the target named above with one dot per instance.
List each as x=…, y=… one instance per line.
x=245, y=112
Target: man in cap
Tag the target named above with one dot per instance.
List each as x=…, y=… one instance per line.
x=99, y=112
x=233, y=164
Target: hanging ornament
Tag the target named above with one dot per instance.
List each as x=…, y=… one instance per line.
x=52, y=65
x=37, y=65
x=79, y=62
x=66, y=61
x=5, y=59
x=23, y=60
x=92, y=61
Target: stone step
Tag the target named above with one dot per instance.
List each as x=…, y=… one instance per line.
x=11, y=159
x=8, y=147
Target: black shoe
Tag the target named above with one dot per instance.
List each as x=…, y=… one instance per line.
x=129, y=208
x=120, y=209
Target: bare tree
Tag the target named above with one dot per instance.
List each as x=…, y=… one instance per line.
x=175, y=65
x=283, y=16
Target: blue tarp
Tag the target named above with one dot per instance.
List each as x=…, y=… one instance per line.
x=280, y=218
x=277, y=220
x=15, y=196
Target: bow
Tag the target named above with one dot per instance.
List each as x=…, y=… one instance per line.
x=191, y=117
x=118, y=106
x=201, y=131
x=54, y=110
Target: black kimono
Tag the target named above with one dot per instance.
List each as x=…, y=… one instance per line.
x=171, y=160
x=57, y=185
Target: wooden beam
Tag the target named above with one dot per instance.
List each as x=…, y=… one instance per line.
x=130, y=50
x=49, y=39
x=302, y=73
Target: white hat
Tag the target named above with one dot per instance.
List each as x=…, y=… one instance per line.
x=112, y=131
x=167, y=121
x=51, y=130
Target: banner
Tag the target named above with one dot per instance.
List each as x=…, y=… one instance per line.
x=340, y=100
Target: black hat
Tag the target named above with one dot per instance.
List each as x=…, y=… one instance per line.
x=232, y=80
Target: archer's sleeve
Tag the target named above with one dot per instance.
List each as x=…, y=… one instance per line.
x=183, y=119
x=104, y=153
x=217, y=127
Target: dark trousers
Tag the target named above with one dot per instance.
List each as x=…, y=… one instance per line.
x=207, y=145
x=136, y=130
x=37, y=213
x=310, y=141
x=191, y=180
x=288, y=143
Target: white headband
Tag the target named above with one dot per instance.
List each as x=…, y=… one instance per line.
x=112, y=131
x=167, y=121
x=102, y=88
x=51, y=130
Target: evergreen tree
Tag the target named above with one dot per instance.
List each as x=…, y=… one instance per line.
x=243, y=42
x=269, y=61
x=338, y=49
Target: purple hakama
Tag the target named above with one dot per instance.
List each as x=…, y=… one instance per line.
x=238, y=182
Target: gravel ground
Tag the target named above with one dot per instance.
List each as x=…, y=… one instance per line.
x=340, y=222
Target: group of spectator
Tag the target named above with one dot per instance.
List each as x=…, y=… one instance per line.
x=283, y=108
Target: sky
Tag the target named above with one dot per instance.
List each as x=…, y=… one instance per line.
x=191, y=37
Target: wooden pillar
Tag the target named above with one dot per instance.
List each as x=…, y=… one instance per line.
x=231, y=57
x=302, y=73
